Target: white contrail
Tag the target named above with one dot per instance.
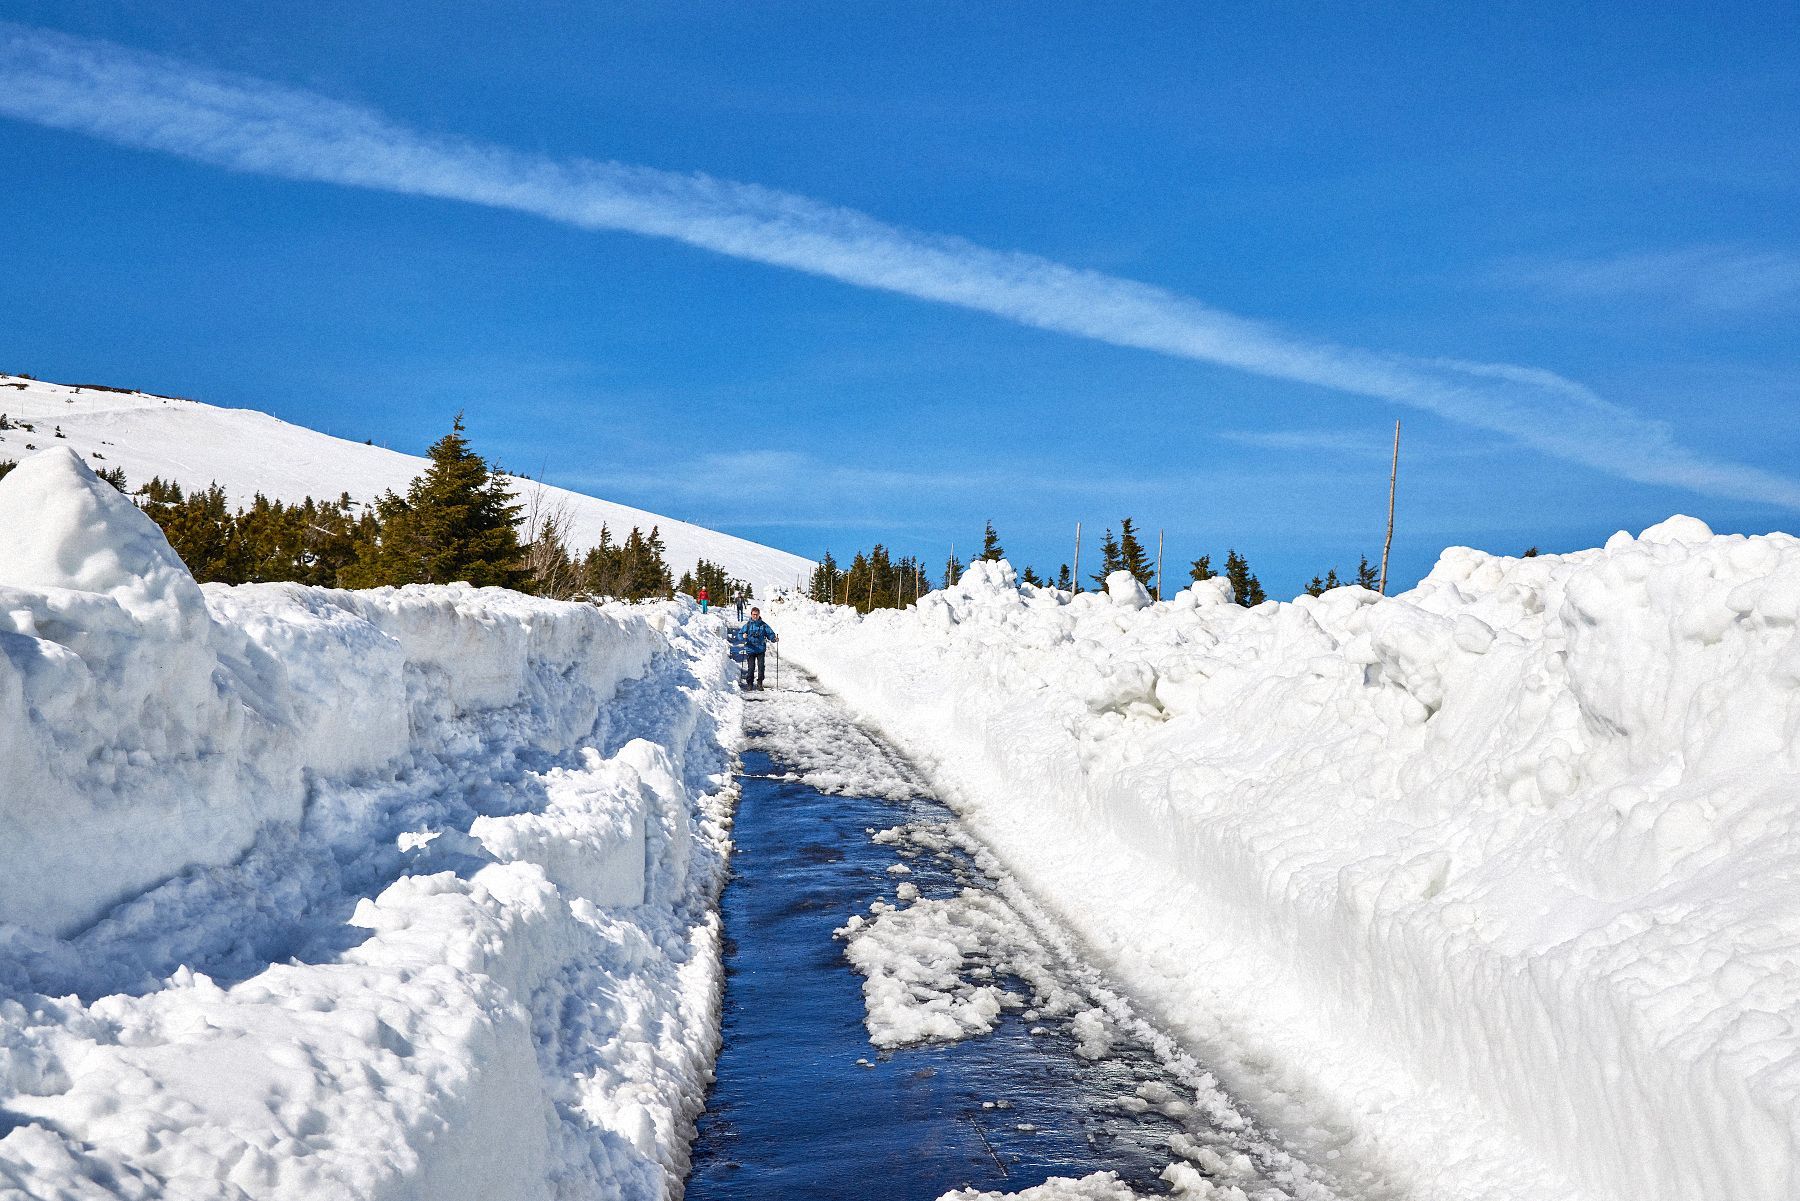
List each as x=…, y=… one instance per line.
x=245, y=124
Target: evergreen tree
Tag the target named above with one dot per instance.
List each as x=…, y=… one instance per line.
x=655, y=578
x=874, y=580
x=1031, y=577
x=1109, y=558
x=953, y=570
x=6, y=466
x=642, y=573
x=203, y=530
x=991, y=550
x=719, y=585
x=458, y=521
x=827, y=581
x=1531, y=552
x=1202, y=569
x=1244, y=586
x=1319, y=587
x=1132, y=556
x=631, y=570
x=112, y=475
x=913, y=581
x=1064, y=580
x=1366, y=575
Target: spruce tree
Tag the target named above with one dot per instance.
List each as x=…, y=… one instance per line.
x=826, y=580
x=1244, y=586
x=858, y=582
x=719, y=585
x=1319, y=587
x=457, y=522
x=1064, y=580
x=1109, y=558
x=1201, y=569
x=204, y=531
x=1366, y=575
x=1031, y=577
x=884, y=593
x=991, y=550
x=6, y=466
x=1132, y=556
x=953, y=570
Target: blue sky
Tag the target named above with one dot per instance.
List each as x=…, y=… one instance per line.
x=1609, y=196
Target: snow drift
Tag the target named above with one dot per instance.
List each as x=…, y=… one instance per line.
x=1517, y=851
x=311, y=893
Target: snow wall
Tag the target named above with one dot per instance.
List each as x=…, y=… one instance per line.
x=312, y=893
x=1518, y=850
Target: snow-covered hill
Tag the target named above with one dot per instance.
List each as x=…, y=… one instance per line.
x=246, y=452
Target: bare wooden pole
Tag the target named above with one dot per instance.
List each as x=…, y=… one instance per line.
x=1159, y=553
x=1393, y=479
x=1075, y=580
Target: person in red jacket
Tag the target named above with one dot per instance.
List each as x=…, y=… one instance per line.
x=702, y=599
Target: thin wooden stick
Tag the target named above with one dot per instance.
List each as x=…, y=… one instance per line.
x=1075, y=580
x=1393, y=478
x=1159, y=557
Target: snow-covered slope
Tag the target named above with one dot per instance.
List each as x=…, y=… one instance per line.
x=246, y=452
x=1490, y=887
x=326, y=895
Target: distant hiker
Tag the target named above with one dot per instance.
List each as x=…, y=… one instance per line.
x=702, y=599
x=757, y=636
x=740, y=605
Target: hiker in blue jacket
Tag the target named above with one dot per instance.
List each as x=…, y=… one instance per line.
x=757, y=635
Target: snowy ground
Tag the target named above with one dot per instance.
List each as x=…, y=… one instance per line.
x=314, y=894
x=941, y=965
x=246, y=452
x=1490, y=890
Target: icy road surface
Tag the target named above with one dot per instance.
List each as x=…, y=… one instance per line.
x=901, y=1022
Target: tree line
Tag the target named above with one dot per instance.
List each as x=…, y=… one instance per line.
x=874, y=580
x=459, y=520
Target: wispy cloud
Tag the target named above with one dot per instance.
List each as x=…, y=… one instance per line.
x=244, y=124
x=1357, y=443
x=1721, y=278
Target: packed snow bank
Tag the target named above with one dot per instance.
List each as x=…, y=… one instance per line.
x=1516, y=853
x=315, y=894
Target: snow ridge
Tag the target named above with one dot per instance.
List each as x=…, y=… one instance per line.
x=1500, y=872
x=318, y=894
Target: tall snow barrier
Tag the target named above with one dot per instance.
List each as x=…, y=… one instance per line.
x=319, y=894
x=1516, y=852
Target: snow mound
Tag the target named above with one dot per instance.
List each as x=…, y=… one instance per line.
x=61, y=526
x=308, y=893
x=1504, y=870
x=928, y=968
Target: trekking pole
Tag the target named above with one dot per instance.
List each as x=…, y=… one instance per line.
x=778, y=667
